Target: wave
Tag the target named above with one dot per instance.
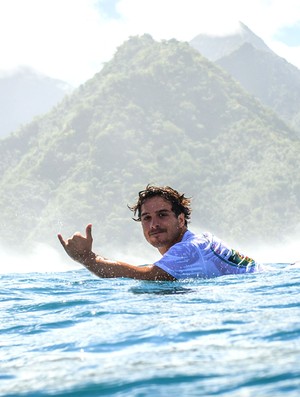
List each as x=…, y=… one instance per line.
x=41, y=259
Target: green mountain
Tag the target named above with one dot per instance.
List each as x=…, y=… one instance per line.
x=270, y=78
x=156, y=113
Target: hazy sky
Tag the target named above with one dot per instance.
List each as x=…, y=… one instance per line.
x=70, y=39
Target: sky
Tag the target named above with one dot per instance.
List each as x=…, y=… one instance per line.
x=71, y=39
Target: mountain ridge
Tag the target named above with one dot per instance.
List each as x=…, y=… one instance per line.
x=156, y=113
x=215, y=47
x=262, y=73
x=26, y=94
x=270, y=78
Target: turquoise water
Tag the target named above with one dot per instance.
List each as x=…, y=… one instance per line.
x=72, y=334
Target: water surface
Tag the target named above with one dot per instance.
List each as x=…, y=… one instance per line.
x=72, y=334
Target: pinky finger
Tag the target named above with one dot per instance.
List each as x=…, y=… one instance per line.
x=62, y=241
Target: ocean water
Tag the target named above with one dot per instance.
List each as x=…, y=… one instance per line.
x=72, y=334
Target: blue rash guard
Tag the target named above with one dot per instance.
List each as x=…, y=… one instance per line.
x=204, y=256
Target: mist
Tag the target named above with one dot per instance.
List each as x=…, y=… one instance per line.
x=41, y=259
x=285, y=253
x=46, y=259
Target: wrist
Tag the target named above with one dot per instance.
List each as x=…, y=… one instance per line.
x=89, y=258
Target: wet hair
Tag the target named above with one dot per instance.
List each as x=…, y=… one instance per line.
x=180, y=203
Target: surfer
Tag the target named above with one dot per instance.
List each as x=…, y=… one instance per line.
x=164, y=214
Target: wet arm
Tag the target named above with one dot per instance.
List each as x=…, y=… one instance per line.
x=107, y=268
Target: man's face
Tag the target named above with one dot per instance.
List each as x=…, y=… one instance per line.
x=161, y=227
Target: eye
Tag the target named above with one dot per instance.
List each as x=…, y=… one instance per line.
x=146, y=218
x=163, y=214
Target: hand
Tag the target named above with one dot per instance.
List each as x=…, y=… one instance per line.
x=78, y=247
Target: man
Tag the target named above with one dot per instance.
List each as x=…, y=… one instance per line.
x=164, y=214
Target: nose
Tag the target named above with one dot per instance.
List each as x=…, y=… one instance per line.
x=154, y=224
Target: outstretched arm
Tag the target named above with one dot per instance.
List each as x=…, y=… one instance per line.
x=79, y=248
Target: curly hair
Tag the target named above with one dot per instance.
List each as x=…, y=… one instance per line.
x=180, y=203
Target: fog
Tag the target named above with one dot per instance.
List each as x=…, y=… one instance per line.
x=43, y=258
x=285, y=253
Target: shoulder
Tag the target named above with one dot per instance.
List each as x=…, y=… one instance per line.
x=188, y=246
x=199, y=240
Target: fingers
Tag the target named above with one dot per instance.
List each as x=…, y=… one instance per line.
x=62, y=241
x=77, y=239
x=88, y=232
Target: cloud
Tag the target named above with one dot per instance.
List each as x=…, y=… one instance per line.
x=190, y=17
x=70, y=39
x=64, y=38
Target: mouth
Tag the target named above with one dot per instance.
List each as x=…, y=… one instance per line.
x=156, y=232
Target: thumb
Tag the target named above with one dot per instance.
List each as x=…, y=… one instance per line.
x=88, y=232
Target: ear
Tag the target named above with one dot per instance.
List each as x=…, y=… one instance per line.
x=181, y=219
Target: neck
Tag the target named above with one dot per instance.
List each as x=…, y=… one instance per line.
x=164, y=249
